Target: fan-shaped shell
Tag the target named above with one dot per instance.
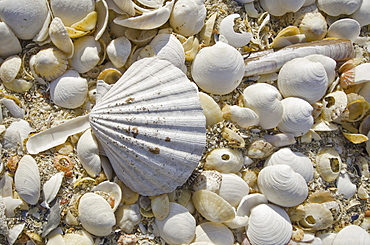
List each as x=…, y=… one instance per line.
x=269, y=224
x=151, y=126
x=338, y=7
x=297, y=116
x=70, y=11
x=27, y=180
x=264, y=99
x=10, y=44
x=24, y=17
x=304, y=79
x=299, y=162
x=345, y=29
x=282, y=186
x=281, y=7
x=218, y=69
x=352, y=234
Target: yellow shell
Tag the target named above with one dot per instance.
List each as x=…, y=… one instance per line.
x=356, y=138
x=109, y=75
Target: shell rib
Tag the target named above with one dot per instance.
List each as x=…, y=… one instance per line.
x=151, y=126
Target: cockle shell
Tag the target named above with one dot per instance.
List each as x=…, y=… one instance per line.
x=313, y=26
x=242, y=116
x=27, y=180
x=95, y=214
x=218, y=69
x=362, y=14
x=282, y=186
x=233, y=188
x=338, y=7
x=70, y=11
x=269, y=224
x=25, y=18
x=118, y=51
x=211, y=109
x=316, y=217
x=187, y=17
x=10, y=44
x=88, y=153
x=352, y=234
x=299, y=162
x=86, y=54
x=224, y=160
x=304, y=79
x=178, y=227
x=297, y=116
x=69, y=90
x=344, y=29
x=51, y=187
x=213, y=233
x=281, y=7
x=153, y=92
x=264, y=99
x=328, y=164
x=233, y=38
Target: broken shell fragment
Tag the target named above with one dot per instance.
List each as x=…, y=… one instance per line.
x=59, y=37
x=233, y=38
x=345, y=186
x=224, y=160
x=160, y=205
x=128, y=216
x=260, y=149
x=316, y=217
x=334, y=105
x=51, y=187
x=140, y=37
x=112, y=189
x=118, y=51
x=211, y=109
x=328, y=164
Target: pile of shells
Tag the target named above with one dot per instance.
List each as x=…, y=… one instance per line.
x=184, y=122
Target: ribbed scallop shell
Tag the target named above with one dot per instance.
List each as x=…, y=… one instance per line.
x=269, y=224
x=282, y=186
x=151, y=126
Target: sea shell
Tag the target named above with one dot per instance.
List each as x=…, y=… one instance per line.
x=281, y=7
x=128, y=216
x=59, y=37
x=344, y=29
x=96, y=215
x=264, y=99
x=242, y=116
x=248, y=202
x=27, y=180
x=233, y=188
x=10, y=68
x=233, y=38
x=160, y=206
x=10, y=44
x=304, y=79
x=213, y=207
x=207, y=180
x=25, y=18
x=187, y=17
x=297, y=116
x=118, y=51
x=86, y=54
x=345, y=186
x=14, y=109
x=313, y=26
x=140, y=37
x=362, y=14
x=113, y=190
x=287, y=36
x=316, y=217
x=282, y=186
x=109, y=76
x=280, y=140
x=299, y=162
x=233, y=138
x=213, y=233
x=334, y=105
x=211, y=109
x=69, y=90
x=224, y=160
x=338, y=7
x=51, y=187
x=88, y=153
x=218, y=69
x=71, y=11
x=260, y=149
x=269, y=224
x=178, y=227
x=352, y=234
x=169, y=93
x=16, y=133
x=328, y=164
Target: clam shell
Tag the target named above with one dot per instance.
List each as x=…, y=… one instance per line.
x=233, y=38
x=213, y=233
x=352, y=234
x=224, y=160
x=118, y=51
x=86, y=54
x=140, y=37
x=282, y=186
x=244, y=117
x=362, y=14
x=27, y=180
x=51, y=187
x=269, y=224
x=16, y=133
x=207, y=180
x=338, y=7
x=96, y=215
x=299, y=162
x=10, y=68
x=151, y=126
x=345, y=186
x=10, y=44
x=328, y=164
x=88, y=153
x=280, y=140
x=112, y=189
x=344, y=29
x=233, y=188
x=128, y=216
x=281, y=7
x=218, y=69
x=248, y=202
x=70, y=11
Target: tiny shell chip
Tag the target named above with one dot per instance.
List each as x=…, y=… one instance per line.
x=96, y=215
x=27, y=180
x=328, y=164
x=178, y=227
x=352, y=234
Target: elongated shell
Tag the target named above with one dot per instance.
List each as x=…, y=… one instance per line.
x=151, y=126
x=351, y=234
x=27, y=180
x=269, y=224
x=51, y=187
x=282, y=186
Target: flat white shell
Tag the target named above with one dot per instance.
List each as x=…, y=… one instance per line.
x=345, y=29
x=27, y=180
x=71, y=11
x=338, y=7
x=88, y=153
x=352, y=234
x=233, y=188
x=151, y=126
x=213, y=233
x=86, y=54
x=51, y=187
x=118, y=51
x=10, y=44
x=362, y=14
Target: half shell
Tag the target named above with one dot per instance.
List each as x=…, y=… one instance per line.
x=151, y=126
x=352, y=234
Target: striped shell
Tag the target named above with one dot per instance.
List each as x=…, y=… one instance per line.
x=151, y=127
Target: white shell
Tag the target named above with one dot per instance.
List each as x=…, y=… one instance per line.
x=281, y=7
x=70, y=11
x=218, y=69
x=244, y=117
x=248, y=202
x=345, y=186
x=304, y=79
x=10, y=68
x=328, y=63
x=178, y=227
x=352, y=234
x=233, y=38
x=362, y=14
x=233, y=188
x=86, y=54
x=51, y=187
x=334, y=105
x=118, y=51
x=213, y=233
x=10, y=44
x=269, y=224
x=344, y=29
x=282, y=186
x=299, y=162
x=316, y=217
x=328, y=164
x=338, y=7
x=313, y=26
x=211, y=109
x=60, y=38
x=88, y=153
x=69, y=90
x=95, y=214
x=207, y=180
x=297, y=116
x=140, y=37
x=16, y=133
x=27, y=180
x=187, y=17
x=128, y=216
x=25, y=18
x=224, y=160
x=112, y=189
x=280, y=140
x=154, y=149
x=13, y=108
x=264, y=99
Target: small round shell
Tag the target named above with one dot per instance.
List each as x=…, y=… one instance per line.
x=328, y=164
x=313, y=26
x=118, y=51
x=112, y=189
x=316, y=217
x=10, y=68
x=128, y=216
x=213, y=233
x=345, y=29
x=218, y=69
x=224, y=160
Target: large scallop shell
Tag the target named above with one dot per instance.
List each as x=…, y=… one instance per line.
x=151, y=126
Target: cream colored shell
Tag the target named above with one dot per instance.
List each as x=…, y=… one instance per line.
x=224, y=160
x=316, y=217
x=88, y=153
x=244, y=117
x=233, y=188
x=118, y=51
x=211, y=109
x=362, y=14
x=328, y=164
x=10, y=44
x=60, y=38
x=350, y=234
x=213, y=233
x=70, y=11
x=346, y=28
x=281, y=7
x=128, y=216
x=86, y=54
x=313, y=26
